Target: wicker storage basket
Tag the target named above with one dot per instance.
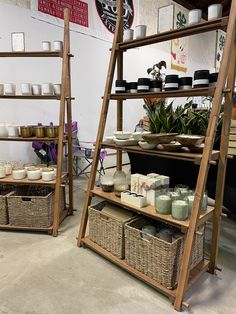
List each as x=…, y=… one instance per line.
x=107, y=228
x=32, y=206
x=5, y=191
x=156, y=258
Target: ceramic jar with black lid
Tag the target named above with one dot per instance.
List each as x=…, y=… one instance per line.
x=133, y=86
x=185, y=82
x=143, y=85
x=171, y=82
x=120, y=86
x=213, y=79
x=201, y=78
x=155, y=86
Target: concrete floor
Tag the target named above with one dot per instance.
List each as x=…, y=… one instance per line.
x=40, y=274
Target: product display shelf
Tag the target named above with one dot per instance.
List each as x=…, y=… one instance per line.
x=27, y=54
x=195, y=273
x=199, y=28
x=64, y=112
x=150, y=210
x=184, y=154
x=32, y=139
x=10, y=180
x=49, y=229
x=224, y=88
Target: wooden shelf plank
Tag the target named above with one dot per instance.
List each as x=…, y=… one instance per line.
x=9, y=180
x=184, y=154
x=176, y=33
x=122, y=264
x=150, y=210
x=197, y=271
x=53, y=97
x=31, y=139
x=26, y=54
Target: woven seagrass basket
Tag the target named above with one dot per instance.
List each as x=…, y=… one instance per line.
x=106, y=230
x=32, y=206
x=156, y=258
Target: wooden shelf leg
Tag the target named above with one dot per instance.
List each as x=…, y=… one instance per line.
x=102, y=123
x=222, y=163
x=204, y=166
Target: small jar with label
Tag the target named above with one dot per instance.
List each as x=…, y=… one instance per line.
x=201, y=79
x=155, y=86
x=120, y=86
x=143, y=85
x=185, y=83
x=171, y=82
x=133, y=86
x=213, y=79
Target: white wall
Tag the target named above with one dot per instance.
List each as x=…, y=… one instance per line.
x=89, y=68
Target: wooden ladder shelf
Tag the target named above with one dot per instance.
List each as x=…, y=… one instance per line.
x=225, y=86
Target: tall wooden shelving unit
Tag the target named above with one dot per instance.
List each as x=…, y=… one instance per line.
x=65, y=108
x=224, y=87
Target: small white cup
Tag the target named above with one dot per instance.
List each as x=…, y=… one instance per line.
x=46, y=45
x=57, y=89
x=13, y=130
x=36, y=89
x=9, y=89
x=57, y=45
x=47, y=89
x=26, y=89
x=140, y=31
x=215, y=11
x=128, y=34
x=1, y=89
x=194, y=16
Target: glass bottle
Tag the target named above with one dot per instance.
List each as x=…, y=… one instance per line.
x=120, y=182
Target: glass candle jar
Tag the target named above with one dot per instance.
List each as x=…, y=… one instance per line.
x=179, y=209
x=182, y=189
x=120, y=182
x=2, y=172
x=107, y=183
x=163, y=204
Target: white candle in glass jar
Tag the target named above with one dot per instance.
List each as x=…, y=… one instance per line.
x=46, y=45
x=13, y=130
x=8, y=168
x=47, y=174
x=2, y=172
x=1, y=89
x=36, y=89
x=26, y=89
x=57, y=45
x=57, y=89
x=33, y=173
x=47, y=89
x=18, y=173
x=9, y=89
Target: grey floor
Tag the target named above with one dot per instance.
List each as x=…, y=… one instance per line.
x=40, y=274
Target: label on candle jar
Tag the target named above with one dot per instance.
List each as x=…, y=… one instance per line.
x=143, y=87
x=201, y=82
x=171, y=85
x=120, y=89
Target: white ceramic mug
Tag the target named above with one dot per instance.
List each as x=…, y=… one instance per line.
x=194, y=16
x=9, y=89
x=13, y=130
x=57, y=89
x=140, y=31
x=128, y=34
x=36, y=89
x=46, y=45
x=57, y=45
x=47, y=89
x=26, y=89
x=215, y=11
x=1, y=89
x=3, y=130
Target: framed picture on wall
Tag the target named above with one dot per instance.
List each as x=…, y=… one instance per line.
x=165, y=18
x=220, y=43
x=18, y=41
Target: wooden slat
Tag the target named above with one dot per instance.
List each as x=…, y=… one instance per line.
x=27, y=54
x=30, y=97
x=9, y=180
x=176, y=33
x=182, y=155
x=197, y=272
x=150, y=210
x=30, y=139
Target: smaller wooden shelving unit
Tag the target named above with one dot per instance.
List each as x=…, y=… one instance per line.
x=65, y=111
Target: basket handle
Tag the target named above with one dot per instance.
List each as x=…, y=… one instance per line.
x=104, y=217
x=199, y=233
x=26, y=199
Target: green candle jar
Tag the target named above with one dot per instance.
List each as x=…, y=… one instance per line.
x=179, y=209
x=163, y=204
x=204, y=202
x=182, y=189
x=174, y=194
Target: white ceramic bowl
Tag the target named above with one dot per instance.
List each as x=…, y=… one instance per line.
x=122, y=135
x=138, y=136
x=146, y=145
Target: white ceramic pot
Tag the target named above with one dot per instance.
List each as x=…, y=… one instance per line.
x=33, y=173
x=9, y=89
x=3, y=130
x=8, y=168
x=57, y=89
x=194, y=16
x=215, y=11
x=1, y=89
x=47, y=89
x=2, y=172
x=36, y=89
x=57, y=45
x=13, y=130
x=128, y=34
x=26, y=89
x=46, y=45
x=47, y=174
x=18, y=173
x=140, y=31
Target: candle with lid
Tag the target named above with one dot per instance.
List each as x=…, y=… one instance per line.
x=163, y=204
x=179, y=210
